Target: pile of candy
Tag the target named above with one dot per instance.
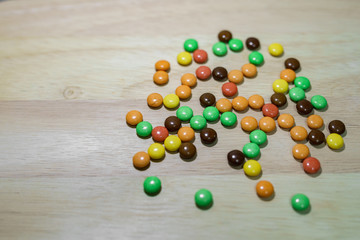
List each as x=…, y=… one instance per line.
x=223, y=108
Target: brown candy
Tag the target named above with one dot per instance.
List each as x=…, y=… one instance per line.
x=236, y=158
x=172, y=123
x=316, y=137
x=219, y=73
x=225, y=36
x=337, y=126
x=292, y=63
x=207, y=99
x=187, y=150
x=278, y=99
x=208, y=135
x=252, y=43
x=304, y=107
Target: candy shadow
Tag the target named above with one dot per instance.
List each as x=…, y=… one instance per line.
x=153, y=194
x=324, y=109
x=189, y=159
x=255, y=178
x=186, y=100
x=233, y=126
x=264, y=144
x=315, y=175
x=142, y=169
x=236, y=167
x=298, y=70
x=307, y=211
x=243, y=111
x=155, y=108
x=158, y=160
x=339, y=150
x=272, y=132
x=344, y=133
x=210, y=144
x=207, y=207
x=284, y=106
x=131, y=126
x=269, y=198
x=309, y=89
x=319, y=146
x=257, y=158
x=172, y=109
x=214, y=122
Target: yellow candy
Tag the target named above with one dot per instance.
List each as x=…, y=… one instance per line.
x=172, y=143
x=275, y=49
x=280, y=86
x=156, y=151
x=252, y=168
x=171, y=101
x=184, y=58
x=335, y=141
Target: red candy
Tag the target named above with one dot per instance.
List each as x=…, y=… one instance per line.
x=203, y=72
x=200, y=56
x=311, y=165
x=270, y=110
x=229, y=89
x=159, y=133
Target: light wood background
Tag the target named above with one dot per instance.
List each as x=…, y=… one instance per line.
x=71, y=70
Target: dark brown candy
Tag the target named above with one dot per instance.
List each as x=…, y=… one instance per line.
x=252, y=43
x=236, y=158
x=172, y=123
x=316, y=137
x=278, y=99
x=304, y=107
x=292, y=63
x=208, y=135
x=219, y=73
x=207, y=99
x=225, y=36
x=337, y=126
x=187, y=150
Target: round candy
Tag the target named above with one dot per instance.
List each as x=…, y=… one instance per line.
x=278, y=99
x=219, y=73
x=154, y=100
x=252, y=43
x=172, y=123
x=208, y=135
x=203, y=198
x=184, y=58
x=267, y=124
x=300, y=151
x=249, y=70
x=288, y=75
x=286, y=121
x=198, y=122
x=319, y=102
x=207, y=99
x=186, y=134
x=211, y=113
x=200, y=56
x=251, y=150
x=228, y=119
x=236, y=45
x=302, y=82
x=315, y=121
x=134, y=117
x=249, y=124
x=171, y=101
x=304, y=107
x=256, y=101
x=270, y=110
x=203, y=72
x=236, y=76
x=296, y=94
x=224, y=105
x=187, y=150
x=156, y=151
x=316, y=137
x=337, y=126
x=256, y=58
x=280, y=86
x=298, y=133
x=258, y=136
x=159, y=133
x=311, y=165
x=240, y=103
x=275, y=49
x=184, y=113
x=229, y=89
x=335, y=141
x=300, y=202
x=292, y=63
x=225, y=36
x=219, y=49
x=143, y=129
x=235, y=158
x=152, y=185
x=188, y=79
x=190, y=45
x=161, y=77
x=183, y=91
x=252, y=168
x=162, y=65
x=264, y=189
x=172, y=143
x=141, y=160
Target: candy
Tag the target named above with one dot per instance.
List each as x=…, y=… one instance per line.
x=211, y=113
x=161, y=77
x=267, y=124
x=200, y=56
x=190, y=45
x=249, y=70
x=187, y=150
x=288, y=75
x=264, y=189
x=198, y=122
x=154, y=100
x=311, y=165
x=315, y=121
x=304, y=107
x=335, y=141
x=316, y=137
x=203, y=199
x=337, y=126
x=219, y=49
x=296, y=94
x=188, y=79
x=278, y=99
x=258, y=136
x=159, y=133
x=203, y=72
x=270, y=110
x=300, y=151
x=248, y=123
x=240, y=103
x=143, y=129
x=134, y=117
x=298, y=133
x=207, y=99
x=280, y=86
x=219, y=73
x=152, y=185
x=184, y=58
x=300, y=202
x=183, y=91
x=235, y=158
x=256, y=101
x=228, y=119
x=172, y=143
x=292, y=63
x=236, y=76
x=141, y=160
x=256, y=58
x=275, y=49
x=171, y=101
x=224, y=105
x=225, y=36
x=229, y=89
x=302, y=82
x=186, y=134
x=208, y=135
x=319, y=102
x=251, y=150
x=236, y=45
x=252, y=43
x=156, y=151
x=252, y=168
x=172, y=123
x=184, y=113
x=286, y=121
x=162, y=65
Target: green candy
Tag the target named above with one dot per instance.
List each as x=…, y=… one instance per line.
x=236, y=45
x=219, y=49
x=143, y=129
x=318, y=102
x=203, y=198
x=302, y=82
x=228, y=119
x=190, y=45
x=211, y=113
x=251, y=150
x=300, y=202
x=296, y=94
x=258, y=136
x=152, y=185
x=198, y=122
x=256, y=58
x=184, y=113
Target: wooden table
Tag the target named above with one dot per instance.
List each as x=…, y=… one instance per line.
x=71, y=70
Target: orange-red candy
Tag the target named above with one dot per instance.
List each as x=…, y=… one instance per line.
x=249, y=70
x=188, y=79
x=236, y=76
x=300, y=151
x=288, y=75
x=267, y=124
x=183, y=91
x=286, y=120
x=240, y=103
x=264, y=189
x=162, y=65
x=298, y=133
x=270, y=110
x=134, y=117
x=223, y=105
x=256, y=101
x=154, y=100
x=186, y=134
x=229, y=89
x=249, y=124
x=161, y=77
x=141, y=160
x=315, y=121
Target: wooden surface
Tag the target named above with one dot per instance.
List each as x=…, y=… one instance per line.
x=71, y=70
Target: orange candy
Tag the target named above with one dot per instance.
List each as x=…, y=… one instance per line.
x=315, y=121
x=154, y=100
x=267, y=124
x=236, y=76
x=240, y=103
x=186, y=134
x=300, y=151
x=224, y=105
x=249, y=70
x=161, y=77
x=249, y=123
x=288, y=75
x=141, y=160
x=183, y=91
x=162, y=65
x=286, y=120
x=298, y=133
x=264, y=189
x=256, y=101
x=189, y=79
x=134, y=117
